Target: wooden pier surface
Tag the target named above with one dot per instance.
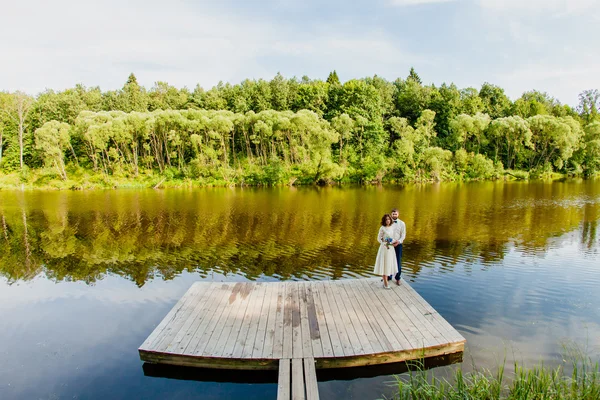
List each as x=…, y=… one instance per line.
x=343, y=323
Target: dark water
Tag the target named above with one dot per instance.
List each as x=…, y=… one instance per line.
x=85, y=276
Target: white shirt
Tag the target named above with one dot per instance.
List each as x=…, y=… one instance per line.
x=399, y=231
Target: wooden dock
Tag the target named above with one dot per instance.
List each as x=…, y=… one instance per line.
x=298, y=327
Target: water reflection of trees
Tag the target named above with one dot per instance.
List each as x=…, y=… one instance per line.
x=309, y=233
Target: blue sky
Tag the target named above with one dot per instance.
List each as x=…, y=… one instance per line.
x=548, y=45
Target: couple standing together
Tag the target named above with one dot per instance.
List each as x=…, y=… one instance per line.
x=389, y=257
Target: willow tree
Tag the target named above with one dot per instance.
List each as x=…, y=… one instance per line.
x=344, y=126
x=468, y=132
x=52, y=139
x=554, y=139
x=403, y=154
x=317, y=137
x=220, y=128
x=511, y=136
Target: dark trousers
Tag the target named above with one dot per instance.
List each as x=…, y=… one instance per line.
x=398, y=250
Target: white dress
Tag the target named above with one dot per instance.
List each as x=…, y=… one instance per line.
x=386, y=263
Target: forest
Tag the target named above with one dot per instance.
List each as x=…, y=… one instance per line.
x=292, y=131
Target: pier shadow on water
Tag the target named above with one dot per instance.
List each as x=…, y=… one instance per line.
x=270, y=376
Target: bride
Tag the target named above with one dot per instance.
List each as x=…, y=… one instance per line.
x=386, y=264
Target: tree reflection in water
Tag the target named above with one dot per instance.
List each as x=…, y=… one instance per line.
x=285, y=233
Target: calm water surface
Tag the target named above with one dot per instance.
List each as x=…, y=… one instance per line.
x=86, y=276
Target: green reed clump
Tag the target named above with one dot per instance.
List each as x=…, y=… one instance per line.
x=579, y=378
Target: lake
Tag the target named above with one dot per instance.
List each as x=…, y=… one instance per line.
x=86, y=276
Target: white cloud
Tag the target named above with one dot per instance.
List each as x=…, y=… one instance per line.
x=100, y=43
x=178, y=44
x=562, y=81
x=553, y=7
x=401, y=3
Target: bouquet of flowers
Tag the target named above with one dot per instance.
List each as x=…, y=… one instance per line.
x=388, y=241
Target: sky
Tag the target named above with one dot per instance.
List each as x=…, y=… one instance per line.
x=519, y=45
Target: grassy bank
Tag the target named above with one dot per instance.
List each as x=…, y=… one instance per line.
x=82, y=179
x=578, y=378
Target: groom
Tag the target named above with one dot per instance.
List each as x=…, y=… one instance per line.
x=399, y=236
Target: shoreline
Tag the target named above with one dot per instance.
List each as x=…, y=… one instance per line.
x=14, y=181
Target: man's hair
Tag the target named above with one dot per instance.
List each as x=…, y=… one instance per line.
x=394, y=210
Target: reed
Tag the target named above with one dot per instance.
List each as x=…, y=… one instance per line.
x=578, y=377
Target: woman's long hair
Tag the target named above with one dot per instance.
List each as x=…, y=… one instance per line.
x=386, y=216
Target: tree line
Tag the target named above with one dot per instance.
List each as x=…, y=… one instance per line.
x=287, y=131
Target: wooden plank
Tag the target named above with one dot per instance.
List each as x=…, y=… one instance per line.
x=199, y=314
x=371, y=293
x=287, y=321
x=156, y=334
x=331, y=317
x=424, y=323
x=229, y=336
x=454, y=334
x=284, y=380
x=404, y=323
x=307, y=339
x=190, y=341
x=354, y=342
x=213, y=308
x=256, y=315
x=297, y=379
x=202, y=340
x=310, y=379
x=430, y=336
x=216, y=340
x=356, y=317
x=371, y=330
x=242, y=334
x=315, y=302
x=278, y=330
x=175, y=314
x=314, y=333
x=267, y=319
x=297, y=350
x=179, y=321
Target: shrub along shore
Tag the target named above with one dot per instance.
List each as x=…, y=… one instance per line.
x=292, y=132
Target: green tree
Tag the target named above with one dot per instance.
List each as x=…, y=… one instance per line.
x=280, y=93
x=52, y=139
x=359, y=98
x=412, y=75
x=386, y=91
x=446, y=103
x=468, y=132
x=411, y=98
x=589, y=152
x=471, y=102
x=495, y=103
x=554, y=139
x=132, y=97
x=344, y=126
x=589, y=105
x=511, y=136
x=333, y=79
x=16, y=108
x=166, y=97
x=313, y=96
